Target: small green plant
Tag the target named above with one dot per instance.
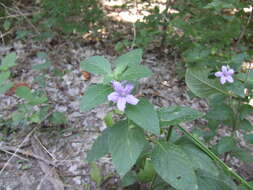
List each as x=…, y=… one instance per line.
x=71, y=16
x=35, y=107
x=5, y=66
x=144, y=144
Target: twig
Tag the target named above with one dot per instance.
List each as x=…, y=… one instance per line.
x=8, y=152
x=27, y=20
x=245, y=28
x=25, y=153
x=15, y=152
x=134, y=39
x=134, y=27
x=2, y=38
x=44, y=148
x=18, y=15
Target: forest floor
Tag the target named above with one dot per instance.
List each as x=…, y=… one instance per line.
x=53, y=158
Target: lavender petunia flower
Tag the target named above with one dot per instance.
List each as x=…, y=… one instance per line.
x=225, y=75
x=122, y=95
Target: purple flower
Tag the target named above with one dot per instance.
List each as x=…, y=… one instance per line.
x=122, y=95
x=225, y=75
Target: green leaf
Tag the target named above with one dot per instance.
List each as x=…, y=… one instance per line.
x=109, y=119
x=199, y=159
x=174, y=166
x=8, y=62
x=220, y=112
x=226, y=144
x=196, y=54
x=144, y=115
x=242, y=187
x=135, y=73
x=177, y=114
x=249, y=138
x=131, y=58
x=25, y=93
x=35, y=118
x=7, y=25
x=242, y=154
x=247, y=78
x=210, y=182
x=95, y=95
x=198, y=82
x=245, y=125
x=95, y=174
x=58, y=118
x=147, y=173
x=125, y=144
x=237, y=88
x=42, y=66
x=100, y=147
x=97, y=65
x=245, y=110
x=5, y=87
x=4, y=76
x=129, y=179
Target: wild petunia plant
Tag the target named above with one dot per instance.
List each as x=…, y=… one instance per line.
x=144, y=145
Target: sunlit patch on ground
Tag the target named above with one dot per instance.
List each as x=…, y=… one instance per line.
x=135, y=11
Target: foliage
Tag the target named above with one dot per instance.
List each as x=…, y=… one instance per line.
x=35, y=107
x=71, y=16
x=141, y=143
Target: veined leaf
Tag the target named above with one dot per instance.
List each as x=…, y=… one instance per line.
x=5, y=87
x=97, y=65
x=131, y=58
x=199, y=159
x=125, y=144
x=4, y=76
x=95, y=95
x=174, y=166
x=135, y=72
x=198, y=82
x=8, y=61
x=25, y=93
x=100, y=147
x=144, y=115
x=210, y=182
x=177, y=114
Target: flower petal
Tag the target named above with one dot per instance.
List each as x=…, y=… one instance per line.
x=114, y=96
x=128, y=88
x=218, y=74
x=231, y=71
x=229, y=79
x=223, y=80
x=131, y=100
x=121, y=103
x=224, y=69
x=117, y=86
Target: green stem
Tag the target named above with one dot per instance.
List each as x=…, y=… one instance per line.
x=167, y=139
x=152, y=182
x=169, y=133
x=215, y=158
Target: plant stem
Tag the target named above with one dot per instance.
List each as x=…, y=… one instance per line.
x=152, y=182
x=215, y=158
x=167, y=139
x=169, y=133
